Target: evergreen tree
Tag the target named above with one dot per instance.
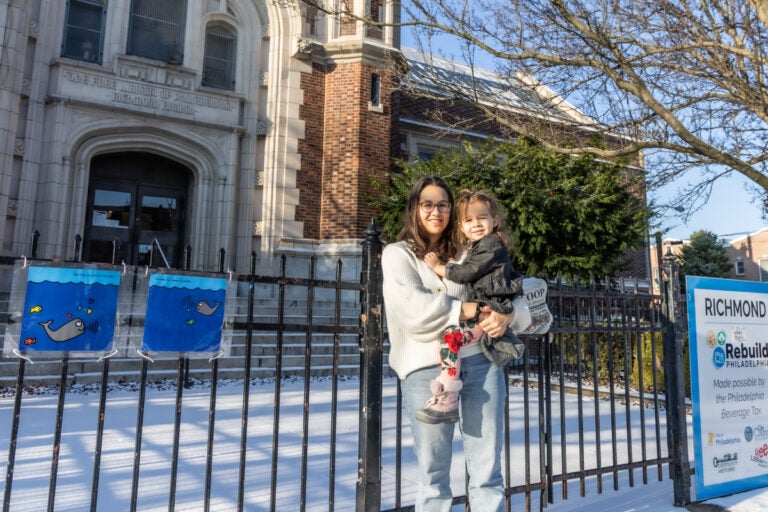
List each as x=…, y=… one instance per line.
x=568, y=216
x=703, y=256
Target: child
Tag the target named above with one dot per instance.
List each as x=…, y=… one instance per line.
x=487, y=271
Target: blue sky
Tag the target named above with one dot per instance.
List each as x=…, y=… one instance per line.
x=730, y=209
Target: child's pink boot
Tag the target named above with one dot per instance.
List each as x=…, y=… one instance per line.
x=443, y=407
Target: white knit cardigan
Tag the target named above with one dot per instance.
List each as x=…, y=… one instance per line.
x=418, y=305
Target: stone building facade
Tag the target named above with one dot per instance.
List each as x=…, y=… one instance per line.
x=251, y=126
x=240, y=125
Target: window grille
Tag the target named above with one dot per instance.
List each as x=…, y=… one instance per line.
x=219, y=61
x=84, y=30
x=156, y=30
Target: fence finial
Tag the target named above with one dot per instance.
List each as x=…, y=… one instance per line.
x=35, y=240
x=373, y=231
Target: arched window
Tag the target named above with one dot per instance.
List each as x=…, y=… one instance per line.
x=156, y=30
x=84, y=30
x=219, y=60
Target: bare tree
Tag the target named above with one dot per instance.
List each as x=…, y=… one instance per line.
x=683, y=81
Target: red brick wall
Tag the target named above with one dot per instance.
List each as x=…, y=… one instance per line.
x=356, y=149
x=346, y=147
x=309, y=177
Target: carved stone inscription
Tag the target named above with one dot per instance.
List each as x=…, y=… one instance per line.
x=147, y=97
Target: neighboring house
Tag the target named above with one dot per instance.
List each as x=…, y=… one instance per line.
x=251, y=126
x=748, y=255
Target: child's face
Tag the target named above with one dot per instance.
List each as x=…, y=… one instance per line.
x=476, y=221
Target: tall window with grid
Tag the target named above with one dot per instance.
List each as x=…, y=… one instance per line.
x=156, y=30
x=220, y=58
x=84, y=30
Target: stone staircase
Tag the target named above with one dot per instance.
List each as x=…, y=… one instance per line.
x=45, y=372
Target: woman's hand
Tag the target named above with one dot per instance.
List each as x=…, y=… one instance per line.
x=494, y=324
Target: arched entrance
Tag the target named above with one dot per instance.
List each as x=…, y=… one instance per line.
x=134, y=199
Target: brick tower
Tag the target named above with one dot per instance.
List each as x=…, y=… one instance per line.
x=348, y=114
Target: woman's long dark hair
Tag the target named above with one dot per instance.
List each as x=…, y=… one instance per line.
x=412, y=232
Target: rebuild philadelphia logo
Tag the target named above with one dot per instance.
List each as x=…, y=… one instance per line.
x=716, y=341
x=738, y=352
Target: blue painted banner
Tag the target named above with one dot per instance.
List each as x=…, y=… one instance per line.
x=185, y=313
x=728, y=329
x=69, y=309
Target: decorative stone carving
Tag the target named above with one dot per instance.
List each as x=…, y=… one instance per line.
x=134, y=73
x=262, y=127
x=265, y=31
x=305, y=46
x=258, y=229
x=179, y=81
x=12, y=208
x=18, y=147
x=259, y=178
x=264, y=79
x=34, y=29
x=26, y=87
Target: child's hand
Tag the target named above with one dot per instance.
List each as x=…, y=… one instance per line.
x=433, y=261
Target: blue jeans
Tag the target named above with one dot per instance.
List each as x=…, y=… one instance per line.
x=481, y=413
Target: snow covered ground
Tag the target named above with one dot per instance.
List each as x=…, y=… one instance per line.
x=34, y=451
x=658, y=497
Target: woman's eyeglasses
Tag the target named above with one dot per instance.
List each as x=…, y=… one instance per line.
x=428, y=206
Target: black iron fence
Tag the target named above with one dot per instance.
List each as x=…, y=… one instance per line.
x=598, y=400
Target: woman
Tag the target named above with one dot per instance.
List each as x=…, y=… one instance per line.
x=419, y=306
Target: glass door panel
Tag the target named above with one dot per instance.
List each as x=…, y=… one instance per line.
x=108, y=233
x=158, y=213
x=161, y=217
x=111, y=208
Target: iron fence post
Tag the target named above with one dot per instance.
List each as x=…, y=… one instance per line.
x=115, y=250
x=187, y=267
x=78, y=245
x=674, y=382
x=371, y=339
x=35, y=241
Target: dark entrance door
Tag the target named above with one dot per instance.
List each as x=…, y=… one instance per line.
x=135, y=199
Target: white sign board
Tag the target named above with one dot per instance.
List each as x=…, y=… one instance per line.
x=728, y=329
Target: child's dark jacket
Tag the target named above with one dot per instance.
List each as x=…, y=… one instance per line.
x=487, y=269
